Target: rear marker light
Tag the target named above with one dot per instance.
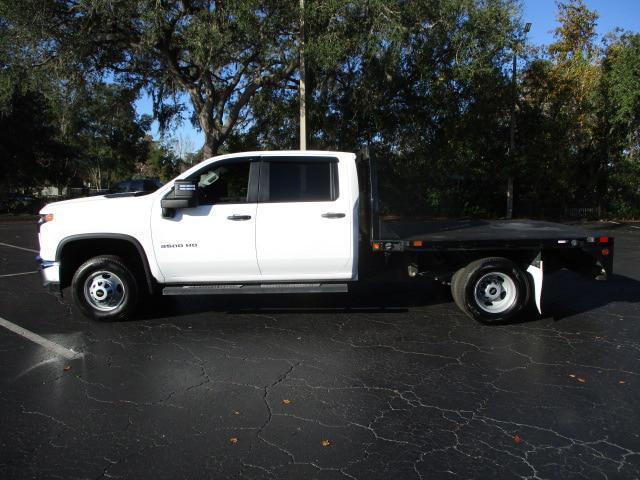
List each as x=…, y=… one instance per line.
x=376, y=246
x=416, y=243
x=603, y=240
x=605, y=252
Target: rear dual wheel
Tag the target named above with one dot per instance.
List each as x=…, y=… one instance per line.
x=491, y=290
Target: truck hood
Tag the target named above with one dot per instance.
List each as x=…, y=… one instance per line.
x=106, y=213
x=94, y=201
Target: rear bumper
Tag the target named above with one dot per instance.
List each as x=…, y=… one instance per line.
x=50, y=274
x=602, y=259
x=593, y=258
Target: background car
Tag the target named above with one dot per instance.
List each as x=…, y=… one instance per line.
x=136, y=185
x=15, y=202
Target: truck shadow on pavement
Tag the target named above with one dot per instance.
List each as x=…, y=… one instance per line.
x=566, y=294
x=396, y=297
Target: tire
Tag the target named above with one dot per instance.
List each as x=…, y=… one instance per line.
x=492, y=290
x=105, y=289
x=455, y=287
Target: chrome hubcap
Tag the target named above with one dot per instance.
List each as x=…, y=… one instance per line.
x=495, y=292
x=104, y=291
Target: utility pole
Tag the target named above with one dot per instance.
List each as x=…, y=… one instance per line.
x=512, y=126
x=512, y=137
x=302, y=91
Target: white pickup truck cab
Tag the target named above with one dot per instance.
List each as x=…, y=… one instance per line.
x=283, y=222
x=253, y=219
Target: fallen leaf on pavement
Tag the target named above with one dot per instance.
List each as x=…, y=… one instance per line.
x=582, y=380
x=325, y=443
x=286, y=401
x=572, y=375
x=67, y=368
x=622, y=382
x=236, y=412
x=517, y=439
x=233, y=440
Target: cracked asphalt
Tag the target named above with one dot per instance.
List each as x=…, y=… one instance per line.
x=389, y=382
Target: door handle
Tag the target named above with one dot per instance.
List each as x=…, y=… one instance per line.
x=333, y=215
x=237, y=218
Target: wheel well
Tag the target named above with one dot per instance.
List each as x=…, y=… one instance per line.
x=445, y=264
x=74, y=253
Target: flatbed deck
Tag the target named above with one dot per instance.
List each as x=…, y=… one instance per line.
x=464, y=230
x=475, y=234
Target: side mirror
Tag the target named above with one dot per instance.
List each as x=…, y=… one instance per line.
x=183, y=195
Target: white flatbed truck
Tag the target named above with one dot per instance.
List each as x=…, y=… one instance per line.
x=287, y=222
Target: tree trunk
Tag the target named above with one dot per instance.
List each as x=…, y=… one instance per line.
x=208, y=150
x=211, y=144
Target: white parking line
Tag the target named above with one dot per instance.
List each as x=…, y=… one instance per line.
x=17, y=274
x=19, y=248
x=43, y=342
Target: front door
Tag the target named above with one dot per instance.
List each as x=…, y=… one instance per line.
x=214, y=242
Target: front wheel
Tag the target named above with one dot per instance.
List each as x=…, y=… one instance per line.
x=105, y=289
x=491, y=290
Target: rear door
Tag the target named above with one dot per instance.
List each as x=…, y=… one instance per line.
x=304, y=222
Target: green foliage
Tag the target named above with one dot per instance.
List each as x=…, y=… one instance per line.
x=622, y=80
x=64, y=124
x=217, y=53
x=427, y=83
x=577, y=121
x=576, y=32
x=160, y=162
x=30, y=153
x=90, y=136
x=620, y=91
x=102, y=124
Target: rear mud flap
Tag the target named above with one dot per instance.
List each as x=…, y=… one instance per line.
x=535, y=270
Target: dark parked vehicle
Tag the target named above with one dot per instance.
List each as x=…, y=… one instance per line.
x=15, y=202
x=136, y=185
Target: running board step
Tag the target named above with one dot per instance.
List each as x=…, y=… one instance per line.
x=252, y=288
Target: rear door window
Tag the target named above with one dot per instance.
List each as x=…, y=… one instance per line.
x=300, y=181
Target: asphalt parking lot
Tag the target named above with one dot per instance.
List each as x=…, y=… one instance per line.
x=385, y=383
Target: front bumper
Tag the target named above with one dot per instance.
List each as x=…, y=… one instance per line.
x=50, y=274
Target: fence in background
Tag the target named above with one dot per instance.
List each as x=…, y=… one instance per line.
x=583, y=212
